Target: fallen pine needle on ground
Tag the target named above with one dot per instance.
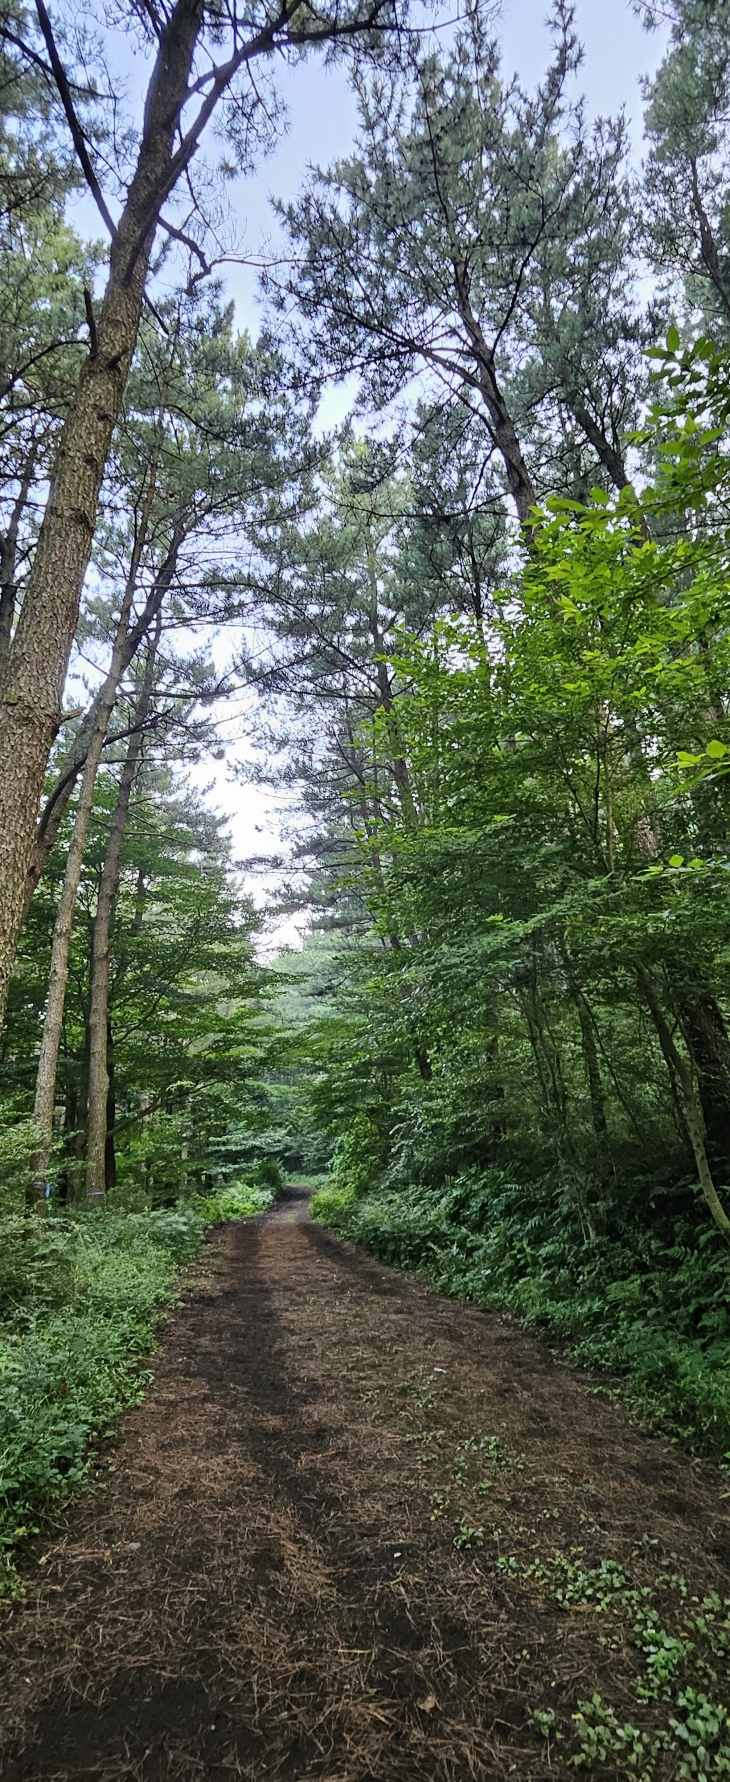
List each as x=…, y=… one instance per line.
x=359, y=1533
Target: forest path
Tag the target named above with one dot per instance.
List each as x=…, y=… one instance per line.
x=268, y=1585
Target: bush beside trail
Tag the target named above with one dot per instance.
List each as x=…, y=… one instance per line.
x=648, y=1303
x=80, y=1297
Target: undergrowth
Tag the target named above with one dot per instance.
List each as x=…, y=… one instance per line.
x=80, y=1294
x=682, y=1644
x=647, y=1302
x=241, y=1200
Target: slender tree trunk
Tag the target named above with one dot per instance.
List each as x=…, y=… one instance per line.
x=590, y=1050
x=353, y=759
x=708, y=1041
x=45, y=1091
x=110, y=1159
x=504, y=432
x=57, y=803
x=398, y=762
x=9, y=559
x=100, y=962
x=680, y=1070
x=608, y=454
x=31, y=700
x=76, y=1138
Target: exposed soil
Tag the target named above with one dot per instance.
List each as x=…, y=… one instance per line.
x=265, y=1584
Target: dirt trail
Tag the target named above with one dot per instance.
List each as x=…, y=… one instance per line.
x=268, y=1586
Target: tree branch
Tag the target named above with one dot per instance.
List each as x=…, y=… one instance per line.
x=79, y=140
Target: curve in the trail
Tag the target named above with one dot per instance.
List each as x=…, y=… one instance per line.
x=267, y=1585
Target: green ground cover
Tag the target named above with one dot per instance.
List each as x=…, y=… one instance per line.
x=646, y=1303
x=81, y=1294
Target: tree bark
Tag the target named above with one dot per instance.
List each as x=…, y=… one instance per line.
x=590, y=1050
x=45, y=1091
x=708, y=245
x=397, y=759
x=680, y=1071
x=30, y=704
x=58, y=800
x=708, y=1041
x=502, y=425
x=9, y=558
x=100, y=961
x=110, y=1158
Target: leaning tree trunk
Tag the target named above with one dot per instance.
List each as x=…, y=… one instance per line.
x=58, y=800
x=100, y=963
x=45, y=1091
x=504, y=432
x=31, y=700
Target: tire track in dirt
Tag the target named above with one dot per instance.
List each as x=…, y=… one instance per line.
x=266, y=1583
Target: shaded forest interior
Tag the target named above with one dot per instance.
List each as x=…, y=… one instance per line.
x=474, y=638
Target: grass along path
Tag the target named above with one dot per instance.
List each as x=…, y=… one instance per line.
x=359, y=1533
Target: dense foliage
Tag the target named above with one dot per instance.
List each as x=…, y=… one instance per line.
x=524, y=867
x=78, y=1304
x=646, y=1300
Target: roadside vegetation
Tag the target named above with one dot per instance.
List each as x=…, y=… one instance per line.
x=81, y=1295
x=478, y=634
x=645, y=1304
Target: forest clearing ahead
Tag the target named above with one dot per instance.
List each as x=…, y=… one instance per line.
x=360, y=1533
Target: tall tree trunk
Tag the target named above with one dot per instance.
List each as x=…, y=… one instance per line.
x=100, y=963
x=58, y=800
x=9, y=559
x=76, y=1135
x=45, y=1090
x=502, y=427
x=708, y=1041
x=353, y=758
x=397, y=759
x=31, y=700
x=590, y=1050
x=680, y=1070
x=110, y=1158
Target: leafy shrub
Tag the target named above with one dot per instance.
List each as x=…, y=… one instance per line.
x=239, y=1200
x=79, y=1296
x=331, y=1205
x=649, y=1302
x=17, y=1144
x=358, y=1156
x=269, y=1174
